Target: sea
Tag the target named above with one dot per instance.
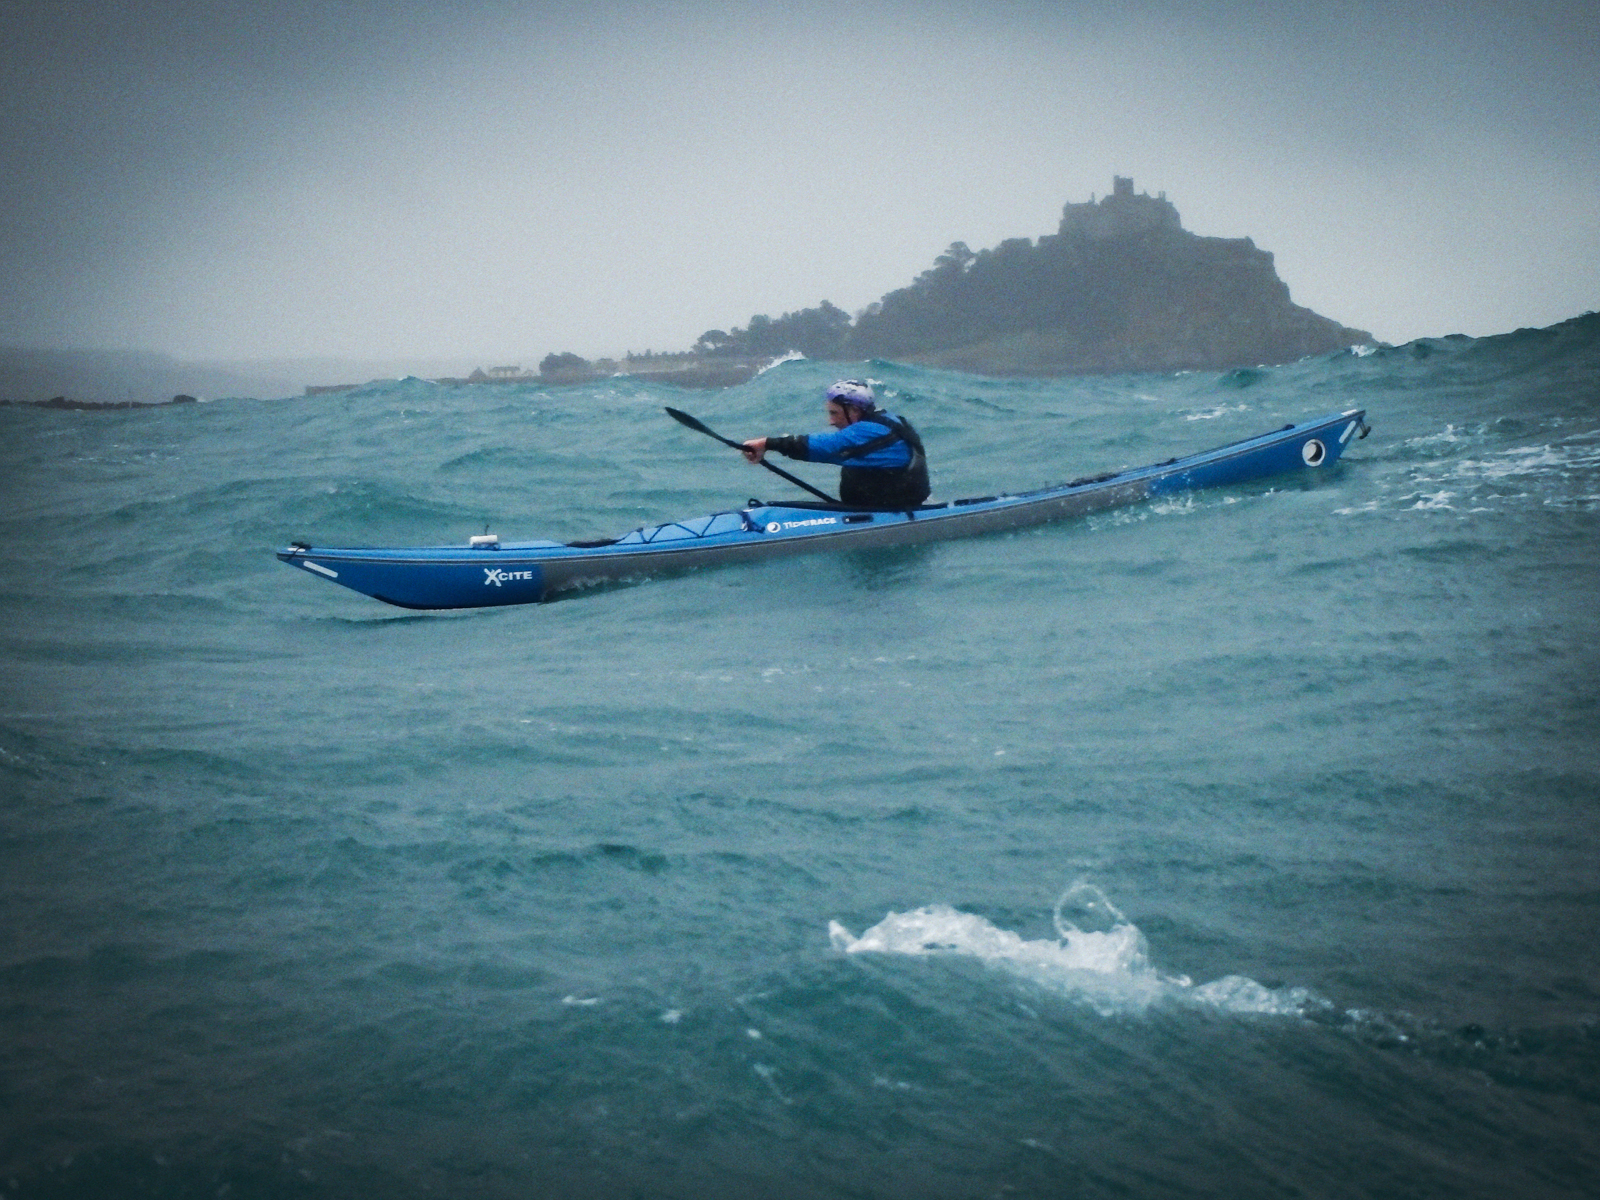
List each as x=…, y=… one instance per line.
x=1240, y=844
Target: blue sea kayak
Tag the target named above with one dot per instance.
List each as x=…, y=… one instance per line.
x=488, y=572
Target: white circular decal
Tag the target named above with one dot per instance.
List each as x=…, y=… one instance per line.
x=1313, y=452
x=774, y=527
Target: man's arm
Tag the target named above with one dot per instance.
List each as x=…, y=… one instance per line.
x=789, y=445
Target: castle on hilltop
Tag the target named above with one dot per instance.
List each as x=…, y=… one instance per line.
x=1122, y=286
x=1120, y=214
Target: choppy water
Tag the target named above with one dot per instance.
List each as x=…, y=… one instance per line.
x=1238, y=845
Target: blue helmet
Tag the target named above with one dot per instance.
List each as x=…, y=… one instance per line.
x=854, y=393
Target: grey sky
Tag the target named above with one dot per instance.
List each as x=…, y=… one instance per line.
x=499, y=180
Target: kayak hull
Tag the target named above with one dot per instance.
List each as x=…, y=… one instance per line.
x=492, y=573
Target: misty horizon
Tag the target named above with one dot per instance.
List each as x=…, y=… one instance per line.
x=384, y=182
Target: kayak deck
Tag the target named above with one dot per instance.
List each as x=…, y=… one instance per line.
x=489, y=572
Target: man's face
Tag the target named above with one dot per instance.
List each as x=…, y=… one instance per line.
x=838, y=415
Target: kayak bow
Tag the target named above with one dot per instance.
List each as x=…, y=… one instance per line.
x=488, y=572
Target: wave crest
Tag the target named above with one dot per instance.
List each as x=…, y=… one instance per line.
x=1099, y=957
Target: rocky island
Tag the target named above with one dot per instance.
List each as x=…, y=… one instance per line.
x=1120, y=286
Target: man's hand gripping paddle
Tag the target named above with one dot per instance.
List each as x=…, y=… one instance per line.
x=699, y=426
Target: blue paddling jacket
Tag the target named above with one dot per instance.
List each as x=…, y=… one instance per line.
x=882, y=463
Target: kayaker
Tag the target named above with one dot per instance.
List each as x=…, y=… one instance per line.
x=882, y=464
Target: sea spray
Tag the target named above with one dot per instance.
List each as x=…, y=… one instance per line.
x=1099, y=957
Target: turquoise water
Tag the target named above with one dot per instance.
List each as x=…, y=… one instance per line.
x=1239, y=844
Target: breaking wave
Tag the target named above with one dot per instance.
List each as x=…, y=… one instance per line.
x=1098, y=957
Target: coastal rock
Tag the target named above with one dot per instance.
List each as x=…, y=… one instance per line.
x=63, y=402
x=1121, y=286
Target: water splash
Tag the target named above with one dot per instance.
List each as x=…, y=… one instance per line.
x=1099, y=957
x=791, y=356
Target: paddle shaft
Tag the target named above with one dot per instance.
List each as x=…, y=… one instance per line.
x=699, y=426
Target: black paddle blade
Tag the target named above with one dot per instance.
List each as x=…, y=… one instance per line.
x=700, y=426
x=683, y=418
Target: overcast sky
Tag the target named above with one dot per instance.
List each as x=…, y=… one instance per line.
x=499, y=180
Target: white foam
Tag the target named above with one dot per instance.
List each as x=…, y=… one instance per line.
x=1557, y=475
x=1434, y=501
x=1099, y=958
x=791, y=356
x=768, y=1075
x=1183, y=503
x=1236, y=993
x=1549, y=462
x=1211, y=414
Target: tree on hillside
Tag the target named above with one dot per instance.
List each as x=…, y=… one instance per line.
x=967, y=297
x=815, y=332
x=716, y=341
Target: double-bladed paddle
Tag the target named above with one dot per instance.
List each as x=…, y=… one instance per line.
x=683, y=418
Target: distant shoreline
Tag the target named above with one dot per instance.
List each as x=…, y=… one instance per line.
x=688, y=371
x=61, y=402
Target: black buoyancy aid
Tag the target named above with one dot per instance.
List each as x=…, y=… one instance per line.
x=886, y=487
